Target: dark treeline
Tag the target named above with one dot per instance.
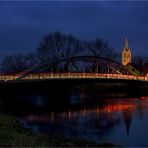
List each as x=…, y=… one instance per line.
x=55, y=46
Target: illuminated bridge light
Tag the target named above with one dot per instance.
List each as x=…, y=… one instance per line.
x=36, y=76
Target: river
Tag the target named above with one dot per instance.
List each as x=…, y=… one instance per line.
x=118, y=120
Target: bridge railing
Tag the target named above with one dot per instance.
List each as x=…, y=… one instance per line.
x=7, y=77
x=38, y=76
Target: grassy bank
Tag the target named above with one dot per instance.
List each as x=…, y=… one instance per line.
x=12, y=135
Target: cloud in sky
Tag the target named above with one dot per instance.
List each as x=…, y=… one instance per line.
x=23, y=24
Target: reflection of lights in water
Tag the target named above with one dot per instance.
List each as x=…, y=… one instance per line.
x=110, y=121
x=143, y=97
x=84, y=112
x=52, y=116
x=82, y=95
x=100, y=118
x=38, y=100
x=97, y=110
x=69, y=114
x=117, y=107
x=74, y=99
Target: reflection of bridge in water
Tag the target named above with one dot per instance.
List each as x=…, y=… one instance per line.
x=100, y=118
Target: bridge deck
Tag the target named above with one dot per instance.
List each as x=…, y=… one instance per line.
x=43, y=76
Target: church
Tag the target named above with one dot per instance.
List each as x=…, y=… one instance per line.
x=127, y=60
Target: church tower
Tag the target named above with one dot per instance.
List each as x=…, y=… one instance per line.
x=126, y=53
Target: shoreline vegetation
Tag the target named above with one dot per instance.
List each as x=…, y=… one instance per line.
x=13, y=135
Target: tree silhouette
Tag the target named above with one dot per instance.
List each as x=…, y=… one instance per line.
x=56, y=46
x=14, y=63
x=99, y=48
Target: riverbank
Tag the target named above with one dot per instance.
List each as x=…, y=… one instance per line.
x=12, y=135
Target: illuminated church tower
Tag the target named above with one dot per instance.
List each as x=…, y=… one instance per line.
x=126, y=54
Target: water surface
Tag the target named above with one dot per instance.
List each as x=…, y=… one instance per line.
x=122, y=121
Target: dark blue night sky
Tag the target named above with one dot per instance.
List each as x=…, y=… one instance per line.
x=23, y=24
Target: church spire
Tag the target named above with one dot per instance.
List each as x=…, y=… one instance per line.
x=126, y=53
x=126, y=43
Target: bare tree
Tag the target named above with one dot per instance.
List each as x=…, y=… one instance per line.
x=137, y=60
x=31, y=59
x=140, y=63
x=14, y=64
x=72, y=47
x=56, y=46
x=100, y=48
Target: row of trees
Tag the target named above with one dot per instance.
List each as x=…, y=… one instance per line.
x=55, y=46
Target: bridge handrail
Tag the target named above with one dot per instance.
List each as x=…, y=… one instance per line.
x=68, y=75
